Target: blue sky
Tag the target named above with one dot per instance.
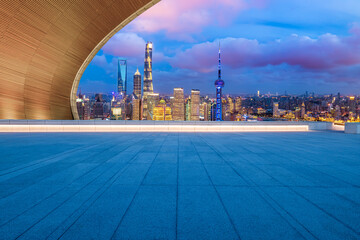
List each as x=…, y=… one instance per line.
x=267, y=45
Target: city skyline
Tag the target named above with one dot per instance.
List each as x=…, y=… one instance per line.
x=264, y=47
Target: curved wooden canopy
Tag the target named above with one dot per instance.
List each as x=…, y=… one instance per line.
x=45, y=46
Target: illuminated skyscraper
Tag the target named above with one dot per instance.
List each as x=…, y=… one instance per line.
x=219, y=84
x=195, y=105
x=188, y=109
x=136, y=108
x=137, y=84
x=148, y=84
x=302, y=113
x=122, y=76
x=238, y=105
x=275, y=109
x=178, y=106
x=152, y=101
x=204, y=112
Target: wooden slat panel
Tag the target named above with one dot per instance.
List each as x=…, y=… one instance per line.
x=44, y=43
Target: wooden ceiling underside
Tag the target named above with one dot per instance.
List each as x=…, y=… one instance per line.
x=44, y=43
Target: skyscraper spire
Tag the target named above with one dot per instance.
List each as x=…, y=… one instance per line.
x=219, y=68
x=219, y=84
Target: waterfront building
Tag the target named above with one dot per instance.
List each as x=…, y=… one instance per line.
x=219, y=84
x=178, y=105
x=195, y=105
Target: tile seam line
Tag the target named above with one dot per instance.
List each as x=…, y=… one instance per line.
x=119, y=173
x=259, y=189
x=177, y=186
x=217, y=192
x=79, y=149
x=137, y=190
x=44, y=178
x=38, y=161
x=53, y=194
x=64, y=200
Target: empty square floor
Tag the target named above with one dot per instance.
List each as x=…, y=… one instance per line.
x=180, y=185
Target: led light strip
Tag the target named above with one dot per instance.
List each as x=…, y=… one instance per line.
x=154, y=128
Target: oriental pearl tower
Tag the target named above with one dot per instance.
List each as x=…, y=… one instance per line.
x=219, y=84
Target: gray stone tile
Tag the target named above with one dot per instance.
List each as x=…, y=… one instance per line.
x=152, y=215
x=201, y=215
x=254, y=217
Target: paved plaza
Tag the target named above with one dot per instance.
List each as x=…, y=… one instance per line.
x=180, y=185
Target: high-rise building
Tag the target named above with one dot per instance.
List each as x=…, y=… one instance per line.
x=137, y=84
x=195, y=105
x=188, y=109
x=219, y=84
x=148, y=83
x=204, y=112
x=231, y=103
x=98, y=107
x=302, y=112
x=136, y=108
x=179, y=104
x=238, y=104
x=162, y=112
x=122, y=76
x=152, y=100
x=275, y=109
x=352, y=104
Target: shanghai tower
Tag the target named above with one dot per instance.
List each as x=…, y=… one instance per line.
x=219, y=84
x=148, y=84
x=122, y=76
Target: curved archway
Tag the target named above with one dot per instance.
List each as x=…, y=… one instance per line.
x=45, y=47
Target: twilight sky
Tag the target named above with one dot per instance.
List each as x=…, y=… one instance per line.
x=267, y=45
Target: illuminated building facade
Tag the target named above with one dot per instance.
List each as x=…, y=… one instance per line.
x=204, y=112
x=275, y=109
x=195, y=105
x=137, y=84
x=302, y=113
x=98, y=108
x=136, y=108
x=238, y=105
x=219, y=84
x=148, y=83
x=162, y=112
x=122, y=77
x=178, y=105
x=188, y=109
x=152, y=101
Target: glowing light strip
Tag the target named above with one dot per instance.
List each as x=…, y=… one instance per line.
x=153, y=128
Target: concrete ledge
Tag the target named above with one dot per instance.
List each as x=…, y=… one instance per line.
x=352, y=128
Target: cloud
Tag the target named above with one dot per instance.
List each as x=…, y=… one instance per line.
x=125, y=44
x=180, y=19
x=326, y=52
